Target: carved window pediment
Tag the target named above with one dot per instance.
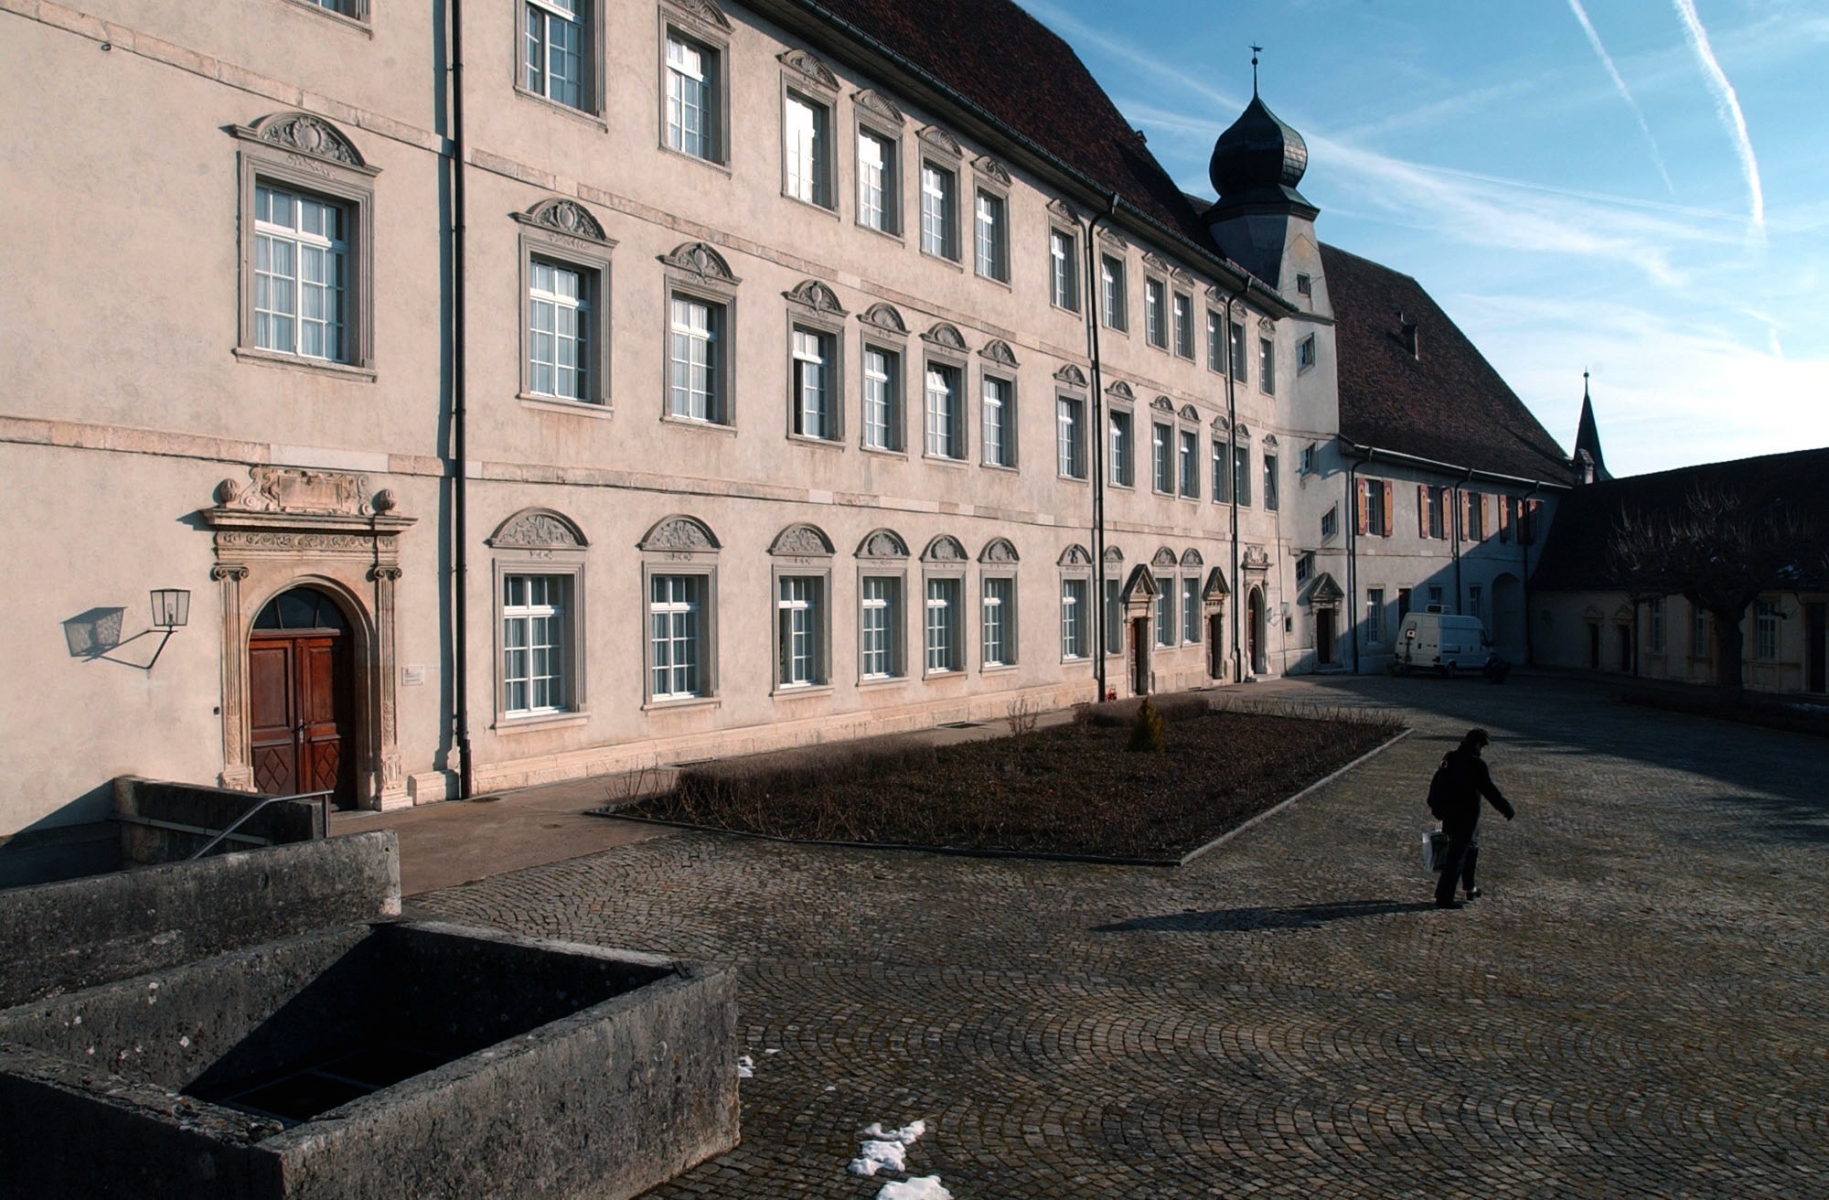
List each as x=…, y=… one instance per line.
x=1163, y=404
x=1063, y=210
x=1072, y=376
x=1113, y=238
x=881, y=544
x=304, y=133
x=1164, y=560
x=810, y=293
x=947, y=337
x=810, y=67
x=1270, y=439
x=696, y=258
x=1155, y=262
x=1113, y=555
x=1220, y=424
x=1188, y=413
x=941, y=140
x=884, y=317
x=1266, y=326
x=704, y=10
x=802, y=541
x=999, y=352
x=1075, y=555
x=994, y=169
x=538, y=528
x=1191, y=558
x=944, y=549
x=998, y=550
x=879, y=105
x=565, y=216
x=680, y=532
x=1241, y=433
x=1121, y=390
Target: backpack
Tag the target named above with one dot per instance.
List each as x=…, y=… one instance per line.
x=1441, y=790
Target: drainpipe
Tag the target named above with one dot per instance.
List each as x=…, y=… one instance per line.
x=460, y=520
x=1238, y=585
x=1095, y=437
x=1352, y=553
x=1454, y=519
x=1524, y=565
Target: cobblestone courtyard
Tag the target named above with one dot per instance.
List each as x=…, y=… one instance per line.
x=1635, y=1008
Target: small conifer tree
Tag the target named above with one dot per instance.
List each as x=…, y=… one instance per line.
x=1149, y=733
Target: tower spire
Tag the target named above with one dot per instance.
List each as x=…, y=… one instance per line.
x=1255, y=51
x=1587, y=441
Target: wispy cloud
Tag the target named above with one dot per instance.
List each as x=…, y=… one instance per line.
x=1728, y=105
x=1587, y=27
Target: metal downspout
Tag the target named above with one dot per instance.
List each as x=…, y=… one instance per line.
x=1524, y=565
x=1238, y=585
x=1095, y=436
x=460, y=523
x=1460, y=508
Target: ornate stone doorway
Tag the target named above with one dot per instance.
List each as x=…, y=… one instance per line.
x=301, y=698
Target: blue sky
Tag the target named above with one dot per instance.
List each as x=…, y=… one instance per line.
x=1638, y=188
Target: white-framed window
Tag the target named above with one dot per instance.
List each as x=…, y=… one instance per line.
x=1476, y=607
x=991, y=256
x=945, y=412
x=1473, y=516
x=1114, y=617
x=998, y=404
x=883, y=422
x=942, y=626
x=1190, y=610
x=534, y=652
x=1162, y=466
x=939, y=211
x=1216, y=342
x=998, y=621
x=1266, y=366
x=806, y=144
x=1188, y=463
x=814, y=393
x=1070, y=436
x=1167, y=619
x=676, y=636
x=344, y=8
x=879, y=204
x=1698, y=631
x=1305, y=568
x=800, y=631
x=1654, y=619
x=1305, y=464
x=694, y=102
x=1063, y=270
x=558, y=331
x=1076, y=618
x=695, y=368
x=1238, y=351
x=1121, y=449
x=1304, y=286
x=879, y=627
x=1270, y=483
x=1183, y=315
x=1435, y=595
x=1241, y=475
x=1305, y=353
x=1765, y=630
x=1374, y=497
x=1112, y=292
x=301, y=273
x=557, y=37
x=1155, y=313
x=1374, y=617
x=1221, y=475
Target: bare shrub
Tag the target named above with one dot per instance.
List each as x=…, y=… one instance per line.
x=1149, y=734
x=1021, y=715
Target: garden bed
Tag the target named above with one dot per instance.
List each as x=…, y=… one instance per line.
x=1065, y=790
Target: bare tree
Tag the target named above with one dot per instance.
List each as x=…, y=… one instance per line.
x=1719, y=551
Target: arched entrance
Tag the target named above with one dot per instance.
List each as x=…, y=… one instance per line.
x=301, y=697
x=1254, y=631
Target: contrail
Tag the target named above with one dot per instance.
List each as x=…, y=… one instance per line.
x=1587, y=26
x=1728, y=105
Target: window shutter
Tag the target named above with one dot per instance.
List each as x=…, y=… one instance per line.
x=1529, y=529
x=1479, y=498
x=1422, y=510
x=1505, y=518
x=1466, y=503
x=1364, y=493
x=1386, y=531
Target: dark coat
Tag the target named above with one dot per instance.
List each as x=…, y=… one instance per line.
x=1470, y=780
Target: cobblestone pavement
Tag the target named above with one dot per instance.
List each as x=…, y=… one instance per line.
x=1635, y=1008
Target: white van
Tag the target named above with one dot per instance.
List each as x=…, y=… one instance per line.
x=1441, y=642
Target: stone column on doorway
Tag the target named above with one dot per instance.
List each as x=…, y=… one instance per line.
x=389, y=786
x=237, y=772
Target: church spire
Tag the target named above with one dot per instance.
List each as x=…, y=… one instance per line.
x=1590, y=467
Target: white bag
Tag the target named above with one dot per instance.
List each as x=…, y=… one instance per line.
x=1435, y=851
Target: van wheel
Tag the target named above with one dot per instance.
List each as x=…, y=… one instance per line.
x=1451, y=670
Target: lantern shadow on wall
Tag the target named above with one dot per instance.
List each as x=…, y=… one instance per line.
x=96, y=634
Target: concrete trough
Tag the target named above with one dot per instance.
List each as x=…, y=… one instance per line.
x=407, y=1059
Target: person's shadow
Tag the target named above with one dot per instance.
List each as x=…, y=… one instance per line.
x=1245, y=920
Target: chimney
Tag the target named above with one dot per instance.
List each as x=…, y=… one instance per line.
x=1409, y=335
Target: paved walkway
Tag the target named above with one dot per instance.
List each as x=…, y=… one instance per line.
x=1636, y=1008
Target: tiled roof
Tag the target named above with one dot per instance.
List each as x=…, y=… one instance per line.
x=1445, y=402
x=1576, y=555
x=1023, y=74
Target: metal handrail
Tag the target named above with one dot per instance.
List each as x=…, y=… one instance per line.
x=323, y=805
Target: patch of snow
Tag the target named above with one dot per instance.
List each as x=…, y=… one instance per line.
x=885, y=1149
x=922, y=1187
x=776, y=1050
x=746, y=1067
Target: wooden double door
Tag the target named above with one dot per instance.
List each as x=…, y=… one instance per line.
x=300, y=688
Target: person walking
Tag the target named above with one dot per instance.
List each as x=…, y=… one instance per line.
x=1458, y=806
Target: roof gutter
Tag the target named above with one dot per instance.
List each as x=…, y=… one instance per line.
x=817, y=23
x=1365, y=454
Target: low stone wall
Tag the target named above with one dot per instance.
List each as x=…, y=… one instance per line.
x=168, y=822
x=58, y=937
x=563, y=1070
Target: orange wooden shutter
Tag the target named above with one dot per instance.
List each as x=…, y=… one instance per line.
x=1505, y=518
x=1422, y=510
x=1386, y=531
x=1364, y=493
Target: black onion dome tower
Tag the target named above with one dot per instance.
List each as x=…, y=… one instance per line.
x=1255, y=167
